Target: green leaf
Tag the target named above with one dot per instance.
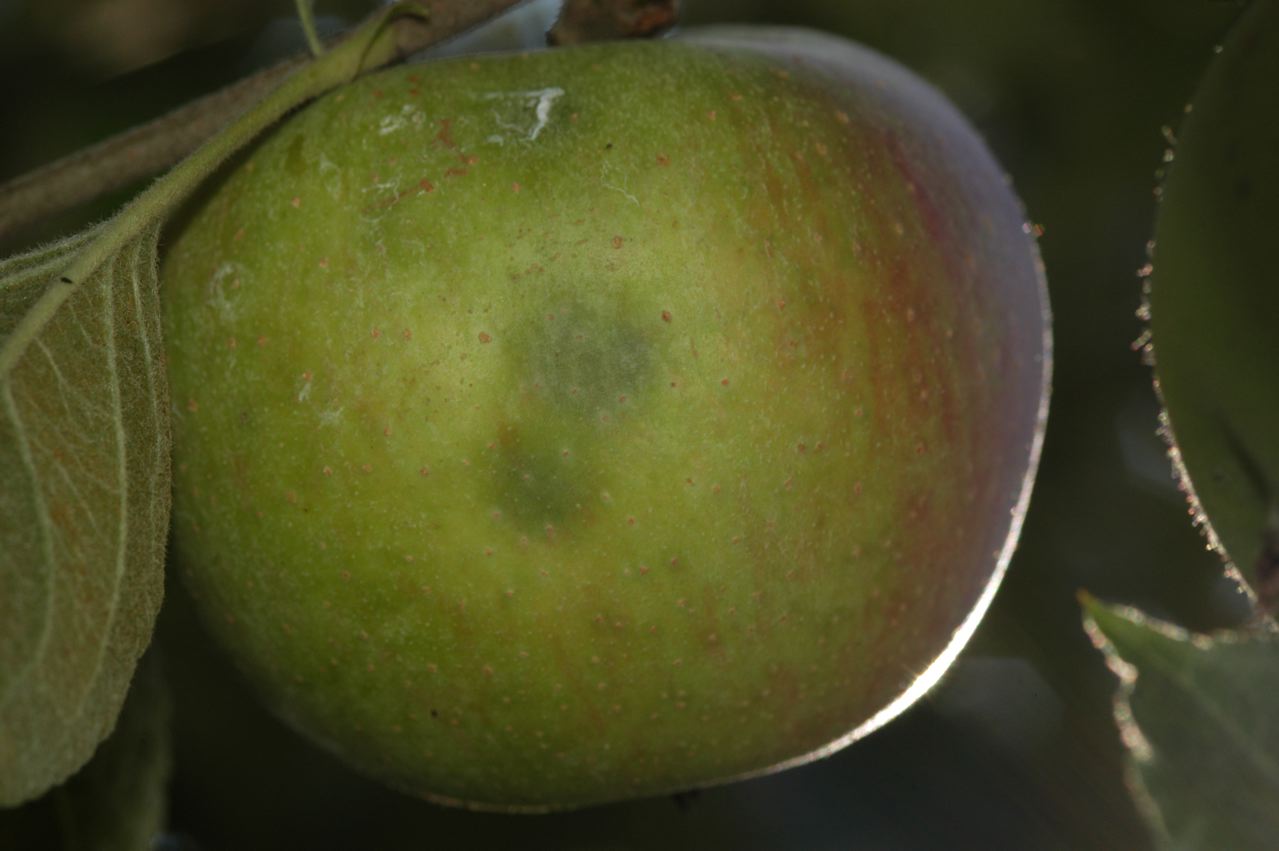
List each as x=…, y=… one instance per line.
x=84, y=512
x=1213, y=301
x=1199, y=717
x=84, y=452
x=119, y=802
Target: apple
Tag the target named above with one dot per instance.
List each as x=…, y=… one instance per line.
x=600, y=422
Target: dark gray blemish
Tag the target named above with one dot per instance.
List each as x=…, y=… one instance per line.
x=582, y=361
x=575, y=362
x=537, y=484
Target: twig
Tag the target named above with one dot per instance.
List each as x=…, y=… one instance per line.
x=150, y=148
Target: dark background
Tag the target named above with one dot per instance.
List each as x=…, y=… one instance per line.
x=1016, y=748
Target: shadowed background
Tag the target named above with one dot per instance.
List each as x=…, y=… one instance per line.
x=1016, y=748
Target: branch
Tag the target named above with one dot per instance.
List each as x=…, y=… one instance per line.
x=150, y=148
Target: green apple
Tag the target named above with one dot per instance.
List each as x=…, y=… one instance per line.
x=600, y=422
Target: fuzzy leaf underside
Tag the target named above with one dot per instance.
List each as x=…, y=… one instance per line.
x=84, y=504
x=1199, y=717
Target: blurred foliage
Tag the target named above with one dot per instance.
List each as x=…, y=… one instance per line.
x=1196, y=715
x=1016, y=749
x=1214, y=298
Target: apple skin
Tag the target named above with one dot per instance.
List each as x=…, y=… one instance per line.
x=601, y=422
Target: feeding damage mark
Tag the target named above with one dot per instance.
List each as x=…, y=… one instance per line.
x=221, y=289
x=395, y=122
x=512, y=113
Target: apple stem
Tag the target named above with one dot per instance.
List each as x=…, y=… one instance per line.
x=306, y=17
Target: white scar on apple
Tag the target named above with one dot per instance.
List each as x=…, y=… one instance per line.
x=679, y=431
x=408, y=115
x=540, y=101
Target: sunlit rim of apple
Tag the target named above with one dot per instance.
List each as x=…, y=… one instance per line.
x=937, y=668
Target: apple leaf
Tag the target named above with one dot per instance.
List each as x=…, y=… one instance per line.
x=1197, y=715
x=119, y=802
x=84, y=452
x=1213, y=297
x=120, y=799
x=84, y=512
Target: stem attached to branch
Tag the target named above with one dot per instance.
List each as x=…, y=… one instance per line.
x=306, y=15
x=150, y=148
